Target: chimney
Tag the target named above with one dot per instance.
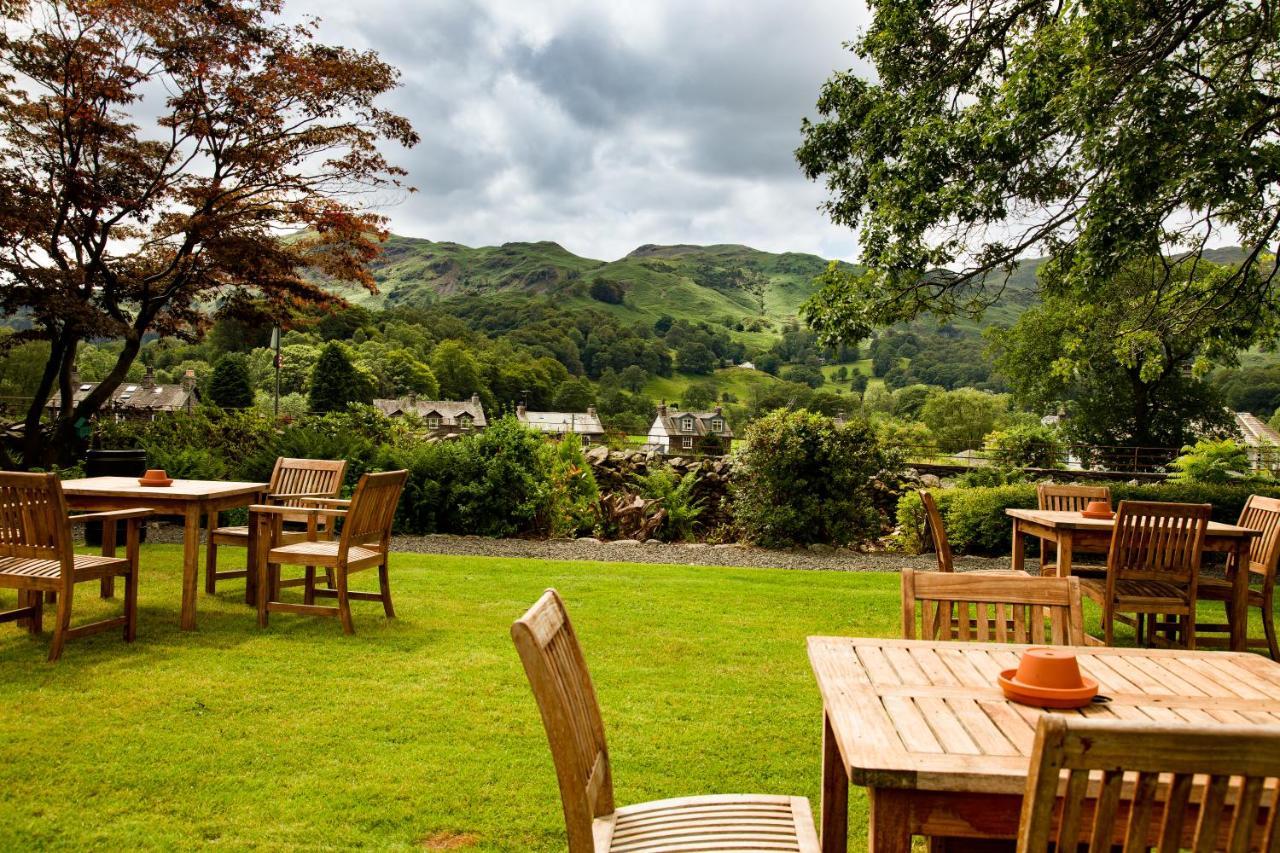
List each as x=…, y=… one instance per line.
x=520, y=409
x=662, y=408
x=475, y=399
x=413, y=399
x=591, y=410
x=719, y=410
x=75, y=378
x=189, y=380
x=148, y=379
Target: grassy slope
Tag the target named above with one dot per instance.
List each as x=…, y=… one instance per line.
x=421, y=731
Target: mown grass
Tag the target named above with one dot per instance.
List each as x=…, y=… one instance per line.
x=417, y=732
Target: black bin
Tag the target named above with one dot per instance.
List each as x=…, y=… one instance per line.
x=113, y=463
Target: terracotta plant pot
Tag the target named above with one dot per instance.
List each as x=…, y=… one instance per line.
x=1048, y=678
x=1097, y=509
x=155, y=477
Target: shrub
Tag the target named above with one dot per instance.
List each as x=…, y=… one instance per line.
x=990, y=475
x=676, y=493
x=572, y=492
x=499, y=480
x=802, y=479
x=336, y=382
x=230, y=386
x=1026, y=446
x=1213, y=462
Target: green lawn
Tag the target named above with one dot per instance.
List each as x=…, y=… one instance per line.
x=419, y=732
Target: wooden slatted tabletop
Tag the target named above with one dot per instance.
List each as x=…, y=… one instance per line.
x=919, y=716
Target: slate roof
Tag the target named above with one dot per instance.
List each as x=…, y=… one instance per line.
x=583, y=423
x=673, y=420
x=147, y=395
x=447, y=410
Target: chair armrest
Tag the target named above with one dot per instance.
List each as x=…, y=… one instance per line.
x=296, y=496
x=113, y=515
x=271, y=509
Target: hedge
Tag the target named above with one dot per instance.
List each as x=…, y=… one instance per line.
x=976, y=522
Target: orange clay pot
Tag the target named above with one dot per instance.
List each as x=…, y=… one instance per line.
x=1048, y=678
x=1098, y=509
x=154, y=477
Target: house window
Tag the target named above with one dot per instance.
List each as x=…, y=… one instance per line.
x=687, y=442
x=433, y=422
x=687, y=425
x=717, y=425
x=465, y=421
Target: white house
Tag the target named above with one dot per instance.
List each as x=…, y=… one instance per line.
x=674, y=431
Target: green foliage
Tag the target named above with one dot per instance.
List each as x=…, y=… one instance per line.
x=604, y=290
x=1123, y=354
x=574, y=395
x=336, y=383
x=1111, y=128
x=989, y=475
x=959, y=419
x=802, y=479
x=456, y=370
x=910, y=437
x=572, y=492
x=676, y=493
x=229, y=386
x=699, y=396
x=1216, y=462
x=805, y=374
x=696, y=357
x=187, y=463
x=1026, y=446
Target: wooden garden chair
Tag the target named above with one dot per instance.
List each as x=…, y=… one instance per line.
x=292, y=481
x=364, y=543
x=1261, y=514
x=1152, y=568
x=1116, y=791
x=1063, y=497
x=942, y=546
x=558, y=675
x=37, y=557
x=987, y=608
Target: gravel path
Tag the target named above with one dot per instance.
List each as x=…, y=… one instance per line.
x=822, y=559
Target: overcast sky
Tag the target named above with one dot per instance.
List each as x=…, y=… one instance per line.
x=606, y=125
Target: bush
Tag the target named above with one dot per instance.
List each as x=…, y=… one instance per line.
x=802, y=479
x=230, y=386
x=1026, y=446
x=976, y=522
x=572, y=492
x=676, y=494
x=1213, y=462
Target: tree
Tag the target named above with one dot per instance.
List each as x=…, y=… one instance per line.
x=122, y=215
x=696, y=357
x=1074, y=352
x=336, y=383
x=883, y=361
x=1097, y=132
x=456, y=370
x=610, y=292
x=700, y=396
x=230, y=387
x=811, y=376
x=634, y=378
x=405, y=374
x=663, y=324
x=575, y=395
x=960, y=419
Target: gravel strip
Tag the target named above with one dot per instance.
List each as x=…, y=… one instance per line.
x=630, y=551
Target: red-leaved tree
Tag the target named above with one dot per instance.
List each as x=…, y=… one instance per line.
x=155, y=156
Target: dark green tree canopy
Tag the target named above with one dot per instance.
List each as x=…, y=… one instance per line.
x=336, y=382
x=230, y=386
x=1097, y=132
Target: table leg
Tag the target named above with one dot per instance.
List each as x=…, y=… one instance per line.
x=835, y=793
x=107, y=586
x=1064, y=544
x=190, y=564
x=1240, y=598
x=888, y=830
x=1019, y=548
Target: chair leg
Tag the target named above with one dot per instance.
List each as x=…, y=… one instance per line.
x=264, y=592
x=344, y=604
x=1140, y=628
x=210, y=566
x=63, y=625
x=384, y=581
x=131, y=604
x=1188, y=623
x=309, y=587
x=1269, y=625
x=1108, y=628
x=329, y=578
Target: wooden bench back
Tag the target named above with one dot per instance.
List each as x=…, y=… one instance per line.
x=372, y=511
x=1263, y=514
x=33, y=520
x=558, y=675
x=1234, y=808
x=1157, y=541
x=938, y=533
x=1060, y=497
x=316, y=477
x=987, y=608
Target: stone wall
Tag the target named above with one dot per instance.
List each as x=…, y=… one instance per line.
x=616, y=472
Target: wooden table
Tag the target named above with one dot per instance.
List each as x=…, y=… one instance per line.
x=1070, y=529
x=190, y=499
x=924, y=727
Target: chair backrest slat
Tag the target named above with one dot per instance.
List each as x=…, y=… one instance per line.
x=938, y=533
x=33, y=520
x=1060, y=497
x=1157, y=541
x=558, y=674
x=1229, y=772
x=322, y=477
x=372, y=511
x=985, y=607
x=1263, y=514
